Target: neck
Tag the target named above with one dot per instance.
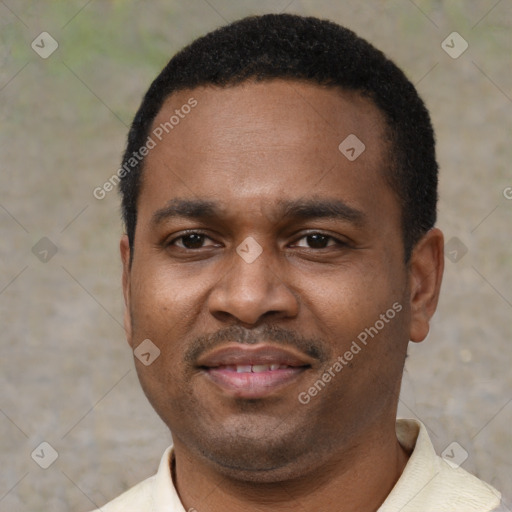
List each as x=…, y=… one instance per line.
x=352, y=479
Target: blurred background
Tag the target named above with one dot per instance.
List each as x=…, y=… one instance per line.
x=71, y=77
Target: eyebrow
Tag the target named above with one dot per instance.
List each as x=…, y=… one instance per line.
x=303, y=209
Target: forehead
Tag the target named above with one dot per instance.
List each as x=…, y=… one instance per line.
x=265, y=140
x=295, y=112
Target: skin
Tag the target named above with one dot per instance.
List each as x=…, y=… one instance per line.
x=249, y=147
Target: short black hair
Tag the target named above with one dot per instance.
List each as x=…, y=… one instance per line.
x=286, y=46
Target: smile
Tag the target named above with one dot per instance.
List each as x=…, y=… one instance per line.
x=255, y=371
x=253, y=381
x=254, y=368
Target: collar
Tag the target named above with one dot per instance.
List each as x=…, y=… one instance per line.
x=428, y=483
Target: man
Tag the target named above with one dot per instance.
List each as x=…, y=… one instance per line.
x=279, y=193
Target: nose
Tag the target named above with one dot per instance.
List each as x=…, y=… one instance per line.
x=253, y=287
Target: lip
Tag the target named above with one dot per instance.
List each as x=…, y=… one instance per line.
x=220, y=367
x=262, y=353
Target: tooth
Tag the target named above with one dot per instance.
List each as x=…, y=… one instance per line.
x=274, y=367
x=256, y=368
x=243, y=368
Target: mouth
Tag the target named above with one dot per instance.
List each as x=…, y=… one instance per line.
x=252, y=372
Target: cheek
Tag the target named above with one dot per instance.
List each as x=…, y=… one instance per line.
x=346, y=303
x=162, y=310
x=161, y=292
x=351, y=289
x=166, y=308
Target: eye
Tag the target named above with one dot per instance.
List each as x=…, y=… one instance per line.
x=190, y=240
x=196, y=239
x=319, y=241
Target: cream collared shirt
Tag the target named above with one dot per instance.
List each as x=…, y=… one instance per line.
x=427, y=484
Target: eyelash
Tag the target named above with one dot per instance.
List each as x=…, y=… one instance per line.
x=338, y=242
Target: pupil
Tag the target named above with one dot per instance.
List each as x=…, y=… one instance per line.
x=195, y=240
x=318, y=240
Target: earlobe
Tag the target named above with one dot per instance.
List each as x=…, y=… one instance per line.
x=425, y=276
x=124, y=247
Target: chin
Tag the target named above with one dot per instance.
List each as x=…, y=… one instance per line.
x=250, y=469
x=265, y=456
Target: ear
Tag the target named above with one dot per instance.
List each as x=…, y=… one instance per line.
x=124, y=247
x=425, y=275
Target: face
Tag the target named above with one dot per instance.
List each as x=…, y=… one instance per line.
x=268, y=269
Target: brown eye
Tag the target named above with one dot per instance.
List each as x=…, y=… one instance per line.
x=192, y=240
x=319, y=241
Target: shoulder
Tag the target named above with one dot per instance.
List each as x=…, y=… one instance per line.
x=432, y=484
x=155, y=493
x=462, y=489
x=137, y=499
